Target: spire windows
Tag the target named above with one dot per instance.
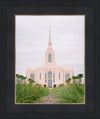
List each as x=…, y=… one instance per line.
x=49, y=58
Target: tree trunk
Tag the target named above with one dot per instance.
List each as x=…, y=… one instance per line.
x=80, y=81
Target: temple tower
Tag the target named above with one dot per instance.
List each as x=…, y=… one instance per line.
x=50, y=55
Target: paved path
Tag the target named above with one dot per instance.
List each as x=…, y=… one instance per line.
x=49, y=99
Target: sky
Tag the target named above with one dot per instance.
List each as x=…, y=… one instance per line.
x=67, y=36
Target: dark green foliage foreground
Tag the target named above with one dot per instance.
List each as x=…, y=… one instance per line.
x=73, y=93
x=29, y=93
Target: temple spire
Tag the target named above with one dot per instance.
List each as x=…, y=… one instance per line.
x=49, y=43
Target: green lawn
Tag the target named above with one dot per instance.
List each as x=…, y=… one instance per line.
x=28, y=93
x=73, y=93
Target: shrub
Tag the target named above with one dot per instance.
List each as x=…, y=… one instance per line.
x=73, y=93
x=26, y=93
x=61, y=85
x=68, y=80
x=31, y=80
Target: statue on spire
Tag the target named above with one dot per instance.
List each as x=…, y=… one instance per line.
x=49, y=43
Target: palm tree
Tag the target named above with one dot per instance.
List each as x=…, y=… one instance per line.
x=68, y=80
x=20, y=78
x=74, y=77
x=17, y=76
x=31, y=81
x=24, y=79
x=79, y=76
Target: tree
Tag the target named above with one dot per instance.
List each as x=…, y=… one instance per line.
x=79, y=76
x=23, y=78
x=31, y=80
x=68, y=80
x=74, y=77
x=17, y=76
x=20, y=78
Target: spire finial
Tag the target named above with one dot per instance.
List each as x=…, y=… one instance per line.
x=49, y=44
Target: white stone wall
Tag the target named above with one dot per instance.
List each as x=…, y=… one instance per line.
x=55, y=71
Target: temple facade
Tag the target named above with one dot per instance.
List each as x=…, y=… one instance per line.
x=49, y=74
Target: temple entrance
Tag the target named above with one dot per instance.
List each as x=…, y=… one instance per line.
x=50, y=79
x=50, y=83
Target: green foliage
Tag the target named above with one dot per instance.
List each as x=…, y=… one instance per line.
x=20, y=78
x=68, y=80
x=79, y=76
x=26, y=93
x=31, y=81
x=61, y=85
x=17, y=75
x=73, y=93
x=24, y=78
x=74, y=77
x=38, y=85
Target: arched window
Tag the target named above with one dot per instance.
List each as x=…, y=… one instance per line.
x=49, y=74
x=49, y=58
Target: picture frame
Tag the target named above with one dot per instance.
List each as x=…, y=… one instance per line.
x=8, y=108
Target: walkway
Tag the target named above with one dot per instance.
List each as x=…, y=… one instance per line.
x=50, y=99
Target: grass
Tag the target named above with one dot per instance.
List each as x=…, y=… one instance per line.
x=73, y=93
x=28, y=93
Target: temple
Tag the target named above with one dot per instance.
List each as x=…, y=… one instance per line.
x=49, y=74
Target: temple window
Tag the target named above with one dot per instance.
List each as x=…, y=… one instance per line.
x=45, y=78
x=49, y=74
x=49, y=58
x=67, y=76
x=32, y=76
x=45, y=81
x=40, y=76
x=59, y=76
x=53, y=78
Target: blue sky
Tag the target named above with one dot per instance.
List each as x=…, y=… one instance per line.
x=32, y=35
